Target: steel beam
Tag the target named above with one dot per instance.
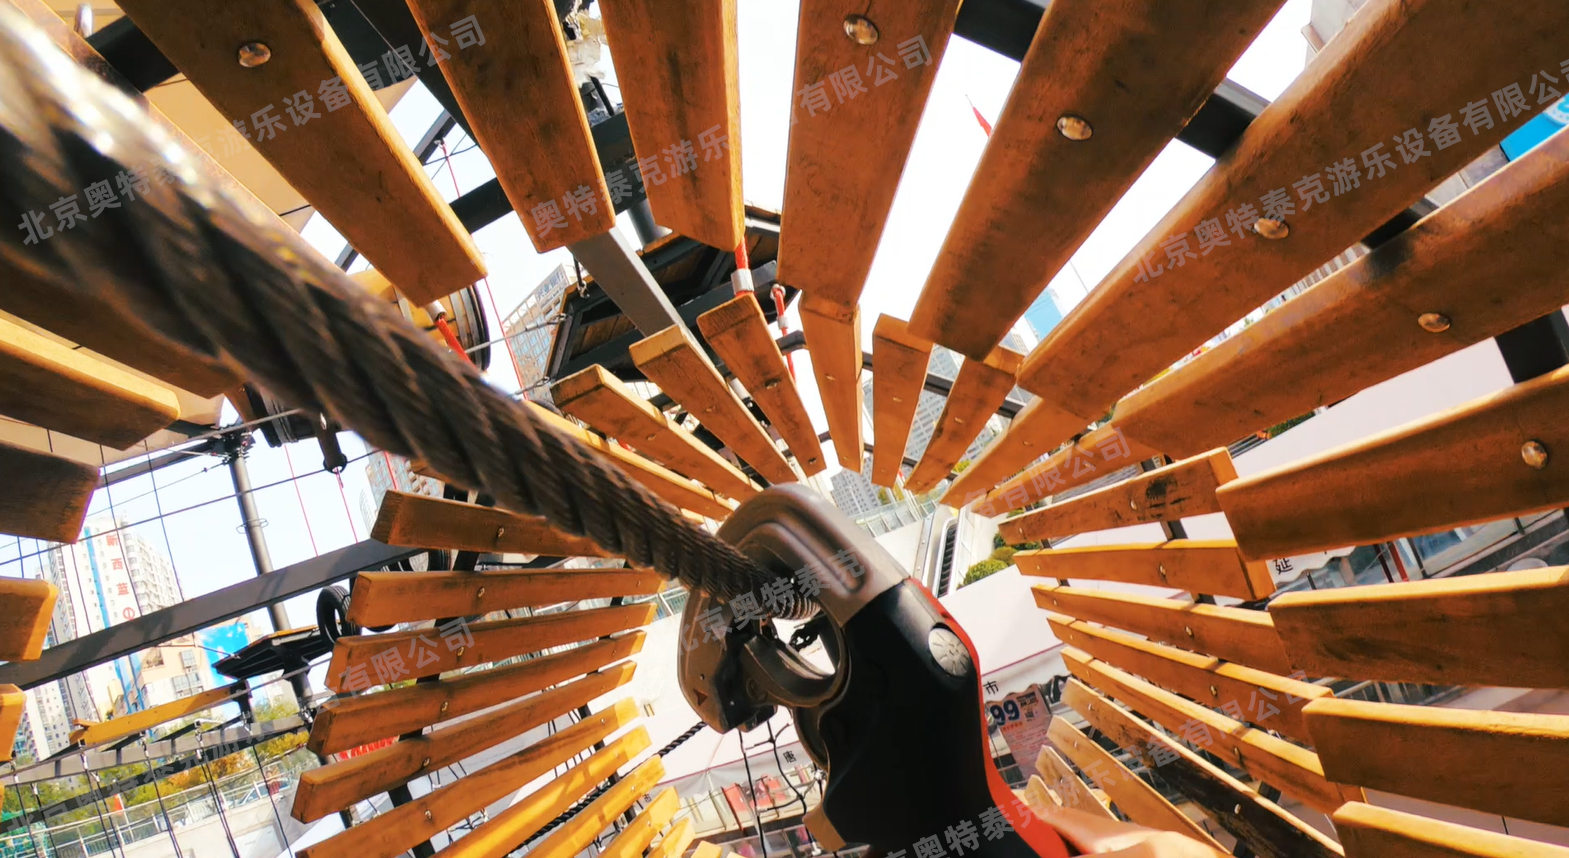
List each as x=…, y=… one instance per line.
x=619, y=271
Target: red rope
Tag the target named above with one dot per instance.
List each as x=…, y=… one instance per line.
x=315, y=552
x=779, y=310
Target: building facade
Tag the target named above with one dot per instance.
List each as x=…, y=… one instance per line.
x=529, y=331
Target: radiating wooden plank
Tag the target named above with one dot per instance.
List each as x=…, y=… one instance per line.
x=1037, y=797
x=1359, y=326
x=673, y=360
x=348, y=722
x=1039, y=190
x=604, y=402
x=899, y=363
x=13, y=701
x=1139, y=801
x=857, y=99
x=1098, y=453
x=1506, y=454
x=1271, y=701
x=1509, y=763
x=675, y=841
x=1251, y=818
x=1292, y=769
x=577, y=833
x=385, y=598
x=89, y=733
x=332, y=143
x=29, y=606
x=46, y=495
x=1378, y=832
x=833, y=337
x=422, y=521
x=636, y=836
x=1360, y=100
x=347, y=782
x=1178, y=490
x=399, y=828
x=359, y=661
x=677, y=67
x=1504, y=628
x=45, y=383
x=1211, y=567
x=705, y=849
x=738, y=333
x=1234, y=634
x=982, y=385
x=543, y=156
x=1069, y=788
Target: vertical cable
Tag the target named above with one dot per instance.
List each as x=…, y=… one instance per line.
x=751, y=787
x=315, y=552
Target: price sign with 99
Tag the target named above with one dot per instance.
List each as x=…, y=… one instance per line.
x=1002, y=713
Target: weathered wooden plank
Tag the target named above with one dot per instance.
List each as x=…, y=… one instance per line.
x=1251, y=818
x=982, y=385
x=1181, y=489
x=705, y=849
x=1210, y=567
x=737, y=331
x=862, y=75
x=640, y=832
x=359, y=661
x=1037, y=796
x=899, y=363
x=46, y=495
x=1370, y=168
x=385, y=598
x=1509, y=763
x=678, y=71
x=1023, y=442
x=1378, y=832
x=1139, y=801
x=13, y=702
x=399, y=828
x=604, y=402
x=675, y=841
x=1505, y=628
x=577, y=833
x=348, y=722
x=673, y=360
x=1042, y=184
x=1361, y=325
x=88, y=733
x=421, y=521
x=1491, y=458
x=833, y=337
x=29, y=606
x=343, y=784
x=543, y=156
x=1234, y=634
x=1099, y=452
x=1271, y=701
x=1293, y=770
x=330, y=142
x=45, y=383
x=1070, y=789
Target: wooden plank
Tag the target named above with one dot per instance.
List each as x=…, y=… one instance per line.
x=1071, y=791
x=675, y=841
x=343, y=784
x=1096, y=454
x=1178, y=490
x=577, y=833
x=673, y=360
x=1271, y=701
x=348, y=722
x=678, y=71
x=1467, y=465
x=358, y=661
x=544, y=157
x=1137, y=800
x=663, y=482
x=652, y=819
x=1508, y=763
x=705, y=849
x=1037, y=796
x=1505, y=628
x=850, y=135
x=1359, y=326
x=1292, y=769
x=331, y=144
x=982, y=385
x=13, y=702
x=898, y=379
x=399, y=828
x=737, y=331
x=1211, y=567
x=47, y=495
x=604, y=402
x=89, y=733
x=1088, y=361
x=1251, y=818
x=50, y=385
x=1378, y=832
x=29, y=607
x=1037, y=192
x=386, y=598
x=1234, y=634
x=833, y=337
x=422, y=521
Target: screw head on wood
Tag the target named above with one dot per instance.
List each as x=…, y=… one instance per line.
x=1534, y=454
x=1074, y=127
x=253, y=54
x=1272, y=228
x=480, y=593
x=1214, y=691
x=461, y=650
x=1161, y=570
x=501, y=531
x=444, y=705
x=424, y=763
x=429, y=817
x=1433, y=323
x=771, y=384
x=861, y=30
x=1189, y=630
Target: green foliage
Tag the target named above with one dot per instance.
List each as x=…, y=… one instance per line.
x=998, y=541
x=981, y=570
x=1004, y=555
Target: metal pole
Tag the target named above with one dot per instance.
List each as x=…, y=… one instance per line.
x=235, y=446
x=642, y=217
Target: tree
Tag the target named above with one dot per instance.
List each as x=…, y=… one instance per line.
x=981, y=570
x=1004, y=555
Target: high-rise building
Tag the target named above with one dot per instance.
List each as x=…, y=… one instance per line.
x=1043, y=314
x=385, y=473
x=529, y=331
x=854, y=493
